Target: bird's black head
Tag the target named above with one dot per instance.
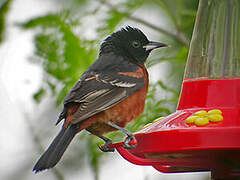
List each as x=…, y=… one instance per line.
x=131, y=43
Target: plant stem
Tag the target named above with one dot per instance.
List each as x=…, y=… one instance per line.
x=179, y=36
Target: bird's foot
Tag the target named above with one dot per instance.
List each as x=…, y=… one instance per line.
x=106, y=148
x=130, y=142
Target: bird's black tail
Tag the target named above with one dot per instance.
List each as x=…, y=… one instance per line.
x=56, y=149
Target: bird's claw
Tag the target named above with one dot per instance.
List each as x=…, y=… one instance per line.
x=106, y=148
x=130, y=142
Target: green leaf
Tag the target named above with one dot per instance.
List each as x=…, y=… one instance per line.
x=4, y=8
x=115, y=17
x=39, y=95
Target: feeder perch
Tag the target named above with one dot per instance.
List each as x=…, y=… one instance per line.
x=204, y=132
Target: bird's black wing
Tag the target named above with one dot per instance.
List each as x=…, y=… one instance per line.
x=96, y=92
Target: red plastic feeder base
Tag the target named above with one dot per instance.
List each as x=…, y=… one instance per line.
x=176, y=145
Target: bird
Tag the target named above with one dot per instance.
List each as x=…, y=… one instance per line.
x=109, y=94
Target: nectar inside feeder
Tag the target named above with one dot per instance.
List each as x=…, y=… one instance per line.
x=203, y=134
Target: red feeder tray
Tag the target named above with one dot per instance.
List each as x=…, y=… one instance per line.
x=171, y=145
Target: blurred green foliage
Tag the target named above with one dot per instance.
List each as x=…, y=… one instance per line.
x=4, y=8
x=65, y=54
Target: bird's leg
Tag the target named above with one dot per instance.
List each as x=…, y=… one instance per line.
x=105, y=147
x=130, y=136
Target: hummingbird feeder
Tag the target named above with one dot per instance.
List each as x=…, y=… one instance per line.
x=204, y=132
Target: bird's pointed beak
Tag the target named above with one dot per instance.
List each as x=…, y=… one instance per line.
x=154, y=45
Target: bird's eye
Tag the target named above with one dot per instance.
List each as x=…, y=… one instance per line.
x=135, y=44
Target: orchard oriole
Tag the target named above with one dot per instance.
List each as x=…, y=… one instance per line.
x=110, y=93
